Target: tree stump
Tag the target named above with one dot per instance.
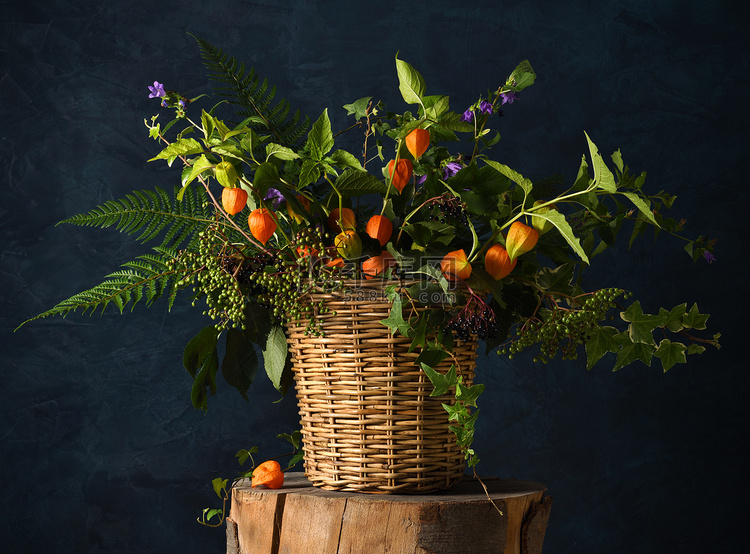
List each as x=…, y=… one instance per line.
x=302, y=519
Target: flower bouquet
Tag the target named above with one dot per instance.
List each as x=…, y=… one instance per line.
x=268, y=219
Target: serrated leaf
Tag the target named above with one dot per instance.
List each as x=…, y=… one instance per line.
x=274, y=355
x=182, y=147
x=561, y=224
x=345, y=159
x=643, y=208
x=603, y=177
x=512, y=174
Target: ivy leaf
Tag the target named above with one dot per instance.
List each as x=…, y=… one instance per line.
x=631, y=352
x=220, y=488
x=470, y=394
x=244, y=454
x=673, y=319
x=358, y=108
x=431, y=356
x=442, y=383
x=240, y=362
x=602, y=341
x=670, y=353
x=557, y=279
x=410, y=82
x=274, y=355
x=420, y=332
x=641, y=325
x=694, y=319
x=395, y=321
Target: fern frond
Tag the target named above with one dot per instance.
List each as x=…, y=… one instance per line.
x=253, y=95
x=150, y=276
x=151, y=212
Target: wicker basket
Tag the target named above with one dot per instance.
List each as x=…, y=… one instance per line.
x=368, y=421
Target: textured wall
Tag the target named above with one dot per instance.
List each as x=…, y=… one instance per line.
x=99, y=446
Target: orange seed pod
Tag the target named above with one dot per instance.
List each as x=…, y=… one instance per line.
x=521, y=238
x=268, y=474
x=497, y=262
x=262, y=224
x=455, y=265
x=404, y=170
x=417, y=142
x=379, y=228
x=233, y=200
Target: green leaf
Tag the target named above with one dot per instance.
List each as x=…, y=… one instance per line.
x=694, y=319
x=355, y=183
x=320, y=137
x=469, y=395
x=182, y=147
x=603, y=177
x=395, y=321
x=358, y=108
x=266, y=176
x=309, y=174
x=512, y=174
x=410, y=82
x=345, y=159
x=220, y=487
x=280, y=152
x=602, y=340
x=670, y=353
x=673, y=319
x=243, y=455
x=523, y=76
x=274, y=355
x=642, y=206
x=201, y=165
x=556, y=280
x=631, y=352
x=558, y=220
x=240, y=362
x=198, y=349
x=641, y=325
x=441, y=383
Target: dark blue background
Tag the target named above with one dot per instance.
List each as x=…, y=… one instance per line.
x=100, y=448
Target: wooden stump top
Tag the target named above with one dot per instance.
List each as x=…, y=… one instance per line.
x=302, y=519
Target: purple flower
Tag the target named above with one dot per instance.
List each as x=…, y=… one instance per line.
x=157, y=91
x=276, y=197
x=485, y=107
x=419, y=179
x=468, y=116
x=450, y=169
x=508, y=97
x=182, y=103
x=709, y=257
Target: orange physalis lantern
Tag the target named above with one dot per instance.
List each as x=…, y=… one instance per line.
x=347, y=219
x=521, y=238
x=404, y=169
x=268, y=474
x=262, y=224
x=417, y=142
x=455, y=265
x=377, y=264
x=233, y=200
x=497, y=262
x=379, y=228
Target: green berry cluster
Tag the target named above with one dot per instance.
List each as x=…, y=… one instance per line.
x=563, y=329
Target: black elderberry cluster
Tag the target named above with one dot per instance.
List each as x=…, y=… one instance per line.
x=448, y=206
x=474, y=318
